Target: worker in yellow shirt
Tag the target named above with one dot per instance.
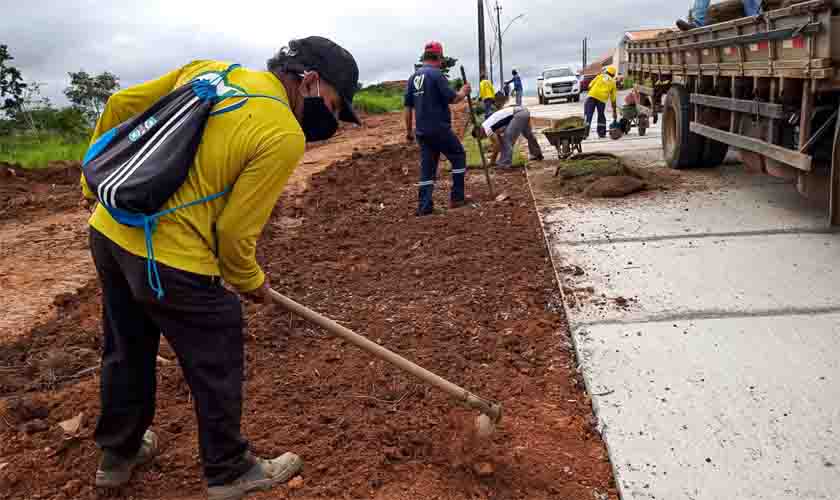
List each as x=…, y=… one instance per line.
x=250, y=146
x=601, y=89
x=487, y=94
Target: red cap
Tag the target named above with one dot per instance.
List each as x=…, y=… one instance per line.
x=434, y=47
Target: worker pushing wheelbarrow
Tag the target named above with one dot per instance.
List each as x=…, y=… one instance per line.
x=631, y=117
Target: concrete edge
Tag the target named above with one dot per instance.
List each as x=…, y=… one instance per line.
x=602, y=428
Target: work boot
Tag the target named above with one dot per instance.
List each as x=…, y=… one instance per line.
x=460, y=203
x=434, y=211
x=264, y=475
x=536, y=158
x=115, y=471
x=685, y=25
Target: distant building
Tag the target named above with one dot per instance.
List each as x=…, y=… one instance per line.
x=619, y=57
x=597, y=66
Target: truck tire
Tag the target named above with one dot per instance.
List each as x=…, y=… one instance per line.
x=714, y=153
x=577, y=98
x=680, y=147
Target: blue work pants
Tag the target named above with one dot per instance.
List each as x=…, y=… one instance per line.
x=431, y=147
x=751, y=8
x=589, y=108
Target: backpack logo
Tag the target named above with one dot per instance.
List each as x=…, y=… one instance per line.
x=141, y=129
x=224, y=89
x=418, y=84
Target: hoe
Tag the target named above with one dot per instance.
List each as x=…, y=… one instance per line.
x=490, y=412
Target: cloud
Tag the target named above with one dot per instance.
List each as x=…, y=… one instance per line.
x=142, y=40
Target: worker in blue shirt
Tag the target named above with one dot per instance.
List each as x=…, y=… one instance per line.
x=428, y=96
x=517, y=86
x=698, y=12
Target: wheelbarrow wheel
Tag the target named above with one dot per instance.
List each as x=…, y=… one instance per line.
x=644, y=123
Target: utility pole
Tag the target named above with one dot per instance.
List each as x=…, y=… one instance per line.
x=490, y=59
x=499, y=32
x=482, y=64
x=583, y=55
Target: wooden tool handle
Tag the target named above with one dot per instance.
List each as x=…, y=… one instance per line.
x=489, y=408
x=475, y=127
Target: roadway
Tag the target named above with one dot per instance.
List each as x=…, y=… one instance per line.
x=708, y=329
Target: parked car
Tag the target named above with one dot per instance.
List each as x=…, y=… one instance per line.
x=585, y=81
x=558, y=82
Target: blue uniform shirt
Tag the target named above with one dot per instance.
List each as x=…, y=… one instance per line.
x=517, y=83
x=428, y=92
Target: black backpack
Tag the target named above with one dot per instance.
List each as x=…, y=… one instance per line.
x=134, y=168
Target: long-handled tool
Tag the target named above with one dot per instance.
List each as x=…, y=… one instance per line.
x=491, y=412
x=480, y=146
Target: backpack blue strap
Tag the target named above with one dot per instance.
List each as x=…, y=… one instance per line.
x=206, y=90
x=149, y=224
x=232, y=96
x=149, y=227
x=99, y=145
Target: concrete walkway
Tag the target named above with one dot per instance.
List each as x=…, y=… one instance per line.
x=707, y=325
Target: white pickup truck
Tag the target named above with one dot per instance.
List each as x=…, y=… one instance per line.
x=558, y=82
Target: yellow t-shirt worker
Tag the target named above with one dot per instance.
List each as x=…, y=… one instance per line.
x=487, y=95
x=601, y=89
x=252, y=150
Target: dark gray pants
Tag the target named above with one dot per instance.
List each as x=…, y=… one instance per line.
x=203, y=323
x=520, y=124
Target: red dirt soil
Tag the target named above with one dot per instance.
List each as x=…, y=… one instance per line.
x=469, y=295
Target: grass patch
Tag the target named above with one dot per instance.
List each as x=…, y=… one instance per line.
x=474, y=158
x=33, y=151
x=599, y=167
x=377, y=99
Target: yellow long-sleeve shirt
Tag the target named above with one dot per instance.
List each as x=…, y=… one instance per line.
x=603, y=88
x=253, y=150
x=486, y=90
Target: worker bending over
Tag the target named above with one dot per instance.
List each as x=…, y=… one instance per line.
x=504, y=128
x=601, y=89
x=251, y=146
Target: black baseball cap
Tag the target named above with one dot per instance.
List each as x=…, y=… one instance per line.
x=333, y=62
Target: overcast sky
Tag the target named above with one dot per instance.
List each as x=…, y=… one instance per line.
x=145, y=39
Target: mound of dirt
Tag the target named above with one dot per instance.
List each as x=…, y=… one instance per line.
x=613, y=186
x=469, y=294
x=57, y=172
x=27, y=192
x=52, y=353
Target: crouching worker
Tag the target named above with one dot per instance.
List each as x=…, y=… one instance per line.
x=504, y=128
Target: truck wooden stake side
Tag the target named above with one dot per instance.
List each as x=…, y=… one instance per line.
x=767, y=85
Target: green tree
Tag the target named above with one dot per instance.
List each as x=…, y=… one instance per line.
x=90, y=93
x=11, y=83
x=32, y=102
x=447, y=64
